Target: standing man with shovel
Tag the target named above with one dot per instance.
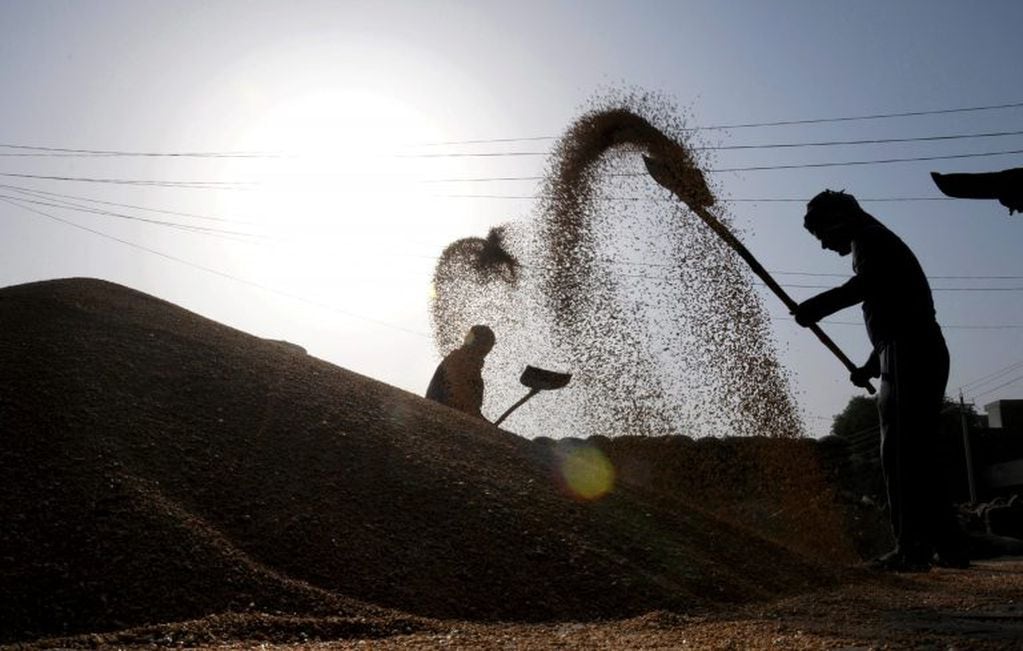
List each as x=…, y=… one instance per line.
x=909, y=352
x=910, y=357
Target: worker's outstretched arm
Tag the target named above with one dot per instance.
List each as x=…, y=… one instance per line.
x=827, y=303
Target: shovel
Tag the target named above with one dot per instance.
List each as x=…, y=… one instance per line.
x=537, y=379
x=667, y=177
x=1006, y=186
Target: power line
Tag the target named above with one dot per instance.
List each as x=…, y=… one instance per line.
x=198, y=185
x=209, y=230
x=991, y=377
x=809, y=273
x=944, y=326
x=933, y=289
x=779, y=145
x=35, y=150
x=238, y=185
x=37, y=193
x=16, y=202
x=778, y=123
x=802, y=200
x=613, y=261
x=882, y=161
x=1000, y=386
x=203, y=230
x=947, y=277
x=30, y=151
x=795, y=285
x=759, y=168
x=874, y=141
x=176, y=213
x=216, y=271
x=875, y=116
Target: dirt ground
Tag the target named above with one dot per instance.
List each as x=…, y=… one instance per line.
x=169, y=481
x=977, y=608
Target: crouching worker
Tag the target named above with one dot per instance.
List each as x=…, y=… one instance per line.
x=458, y=380
x=910, y=356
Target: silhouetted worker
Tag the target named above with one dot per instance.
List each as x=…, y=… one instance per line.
x=458, y=380
x=910, y=356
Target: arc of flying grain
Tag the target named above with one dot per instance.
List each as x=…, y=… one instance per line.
x=671, y=167
x=573, y=290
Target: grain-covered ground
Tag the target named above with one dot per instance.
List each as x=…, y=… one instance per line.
x=170, y=481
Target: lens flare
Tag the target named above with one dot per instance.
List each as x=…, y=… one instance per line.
x=587, y=473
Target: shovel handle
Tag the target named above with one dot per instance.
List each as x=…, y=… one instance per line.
x=532, y=392
x=762, y=273
x=663, y=175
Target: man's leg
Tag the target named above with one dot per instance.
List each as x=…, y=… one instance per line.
x=895, y=396
x=942, y=527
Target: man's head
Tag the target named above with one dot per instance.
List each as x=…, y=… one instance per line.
x=832, y=217
x=480, y=338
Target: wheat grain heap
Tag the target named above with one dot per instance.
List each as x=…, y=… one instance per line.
x=617, y=281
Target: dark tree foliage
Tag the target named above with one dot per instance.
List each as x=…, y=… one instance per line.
x=952, y=413
x=858, y=417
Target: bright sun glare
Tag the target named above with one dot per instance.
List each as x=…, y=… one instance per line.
x=340, y=195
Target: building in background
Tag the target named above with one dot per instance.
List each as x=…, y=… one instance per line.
x=1005, y=414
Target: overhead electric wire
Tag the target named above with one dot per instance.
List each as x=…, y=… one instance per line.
x=209, y=230
x=875, y=116
x=214, y=231
x=193, y=228
x=1000, y=386
x=790, y=285
x=17, y=203
x=1001, y=371
x=933, y=289
x=196, y=185
x=177, y=213
x=23, y=150
x=757, y=168
x=27, y=151
x=991, y=377
x=813, y=273
x=929, y=276
x=779, y=145
x=944, y=326
x=533, y=197
x=216, y=272
x=750, y=125
x=880, y=161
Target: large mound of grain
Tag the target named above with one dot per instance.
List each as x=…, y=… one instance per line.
x=620, y=283
x=160, y=467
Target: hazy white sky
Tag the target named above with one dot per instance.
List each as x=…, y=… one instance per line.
x=340, y=87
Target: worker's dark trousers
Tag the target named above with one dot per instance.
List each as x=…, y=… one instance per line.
x=914, y=371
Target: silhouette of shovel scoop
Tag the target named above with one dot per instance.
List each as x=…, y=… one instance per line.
x=537, y=379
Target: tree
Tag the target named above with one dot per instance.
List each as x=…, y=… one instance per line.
x=859, y=417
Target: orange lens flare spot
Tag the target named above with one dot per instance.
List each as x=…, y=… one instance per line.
x=587, y=473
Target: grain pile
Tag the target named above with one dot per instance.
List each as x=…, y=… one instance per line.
x=653, y=313
x=171, y=482
x=160, y=467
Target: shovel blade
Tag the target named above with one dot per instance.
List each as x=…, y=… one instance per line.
x=542, y=379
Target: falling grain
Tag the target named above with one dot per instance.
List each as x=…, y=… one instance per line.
x=617, y=281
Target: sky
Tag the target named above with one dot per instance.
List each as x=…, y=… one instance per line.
x=326, y=232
